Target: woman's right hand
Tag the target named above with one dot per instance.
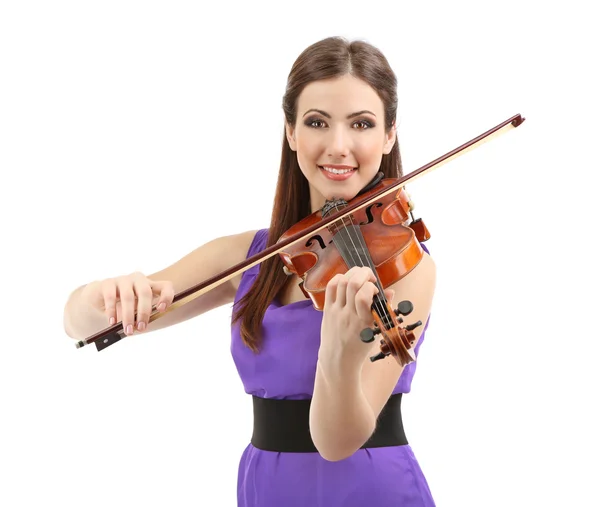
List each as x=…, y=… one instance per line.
x=136, y=294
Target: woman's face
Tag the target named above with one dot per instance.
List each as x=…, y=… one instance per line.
x=340, y=128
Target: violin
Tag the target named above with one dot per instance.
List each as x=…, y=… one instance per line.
x=394, y=249
x=376, y=229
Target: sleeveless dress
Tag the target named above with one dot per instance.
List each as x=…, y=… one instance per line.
x=285, y=368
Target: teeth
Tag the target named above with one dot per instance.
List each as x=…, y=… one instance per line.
x=337, y=171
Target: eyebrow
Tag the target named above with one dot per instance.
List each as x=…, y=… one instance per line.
x=352, y=115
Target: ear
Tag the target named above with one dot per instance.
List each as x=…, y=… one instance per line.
x=291, y=136
x=390, y=139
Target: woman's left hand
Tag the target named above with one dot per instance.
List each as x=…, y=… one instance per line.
x=346, y=312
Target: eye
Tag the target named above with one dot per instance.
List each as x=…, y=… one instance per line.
x=364, y=124
x=314, y=123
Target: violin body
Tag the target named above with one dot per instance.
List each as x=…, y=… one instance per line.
x=381, y=236
x=392, y=240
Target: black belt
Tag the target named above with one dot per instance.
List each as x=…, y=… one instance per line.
x=283, y=425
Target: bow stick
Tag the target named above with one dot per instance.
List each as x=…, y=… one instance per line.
x=114, y=333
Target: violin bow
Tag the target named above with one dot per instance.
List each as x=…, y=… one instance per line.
x=114, y=333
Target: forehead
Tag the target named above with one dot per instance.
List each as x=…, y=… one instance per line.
x=340, y=96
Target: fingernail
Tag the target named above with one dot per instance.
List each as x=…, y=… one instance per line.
x=161, y=307
x=129, y=329
x=112, y=321
x=141, y=326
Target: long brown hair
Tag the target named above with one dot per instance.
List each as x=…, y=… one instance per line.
x=329, y=58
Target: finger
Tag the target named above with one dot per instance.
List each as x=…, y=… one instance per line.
x=331, y=291
x=357, y=280
x=363, y=301
x=109, y=295
x=341, y=289
x=165, y=292
x=389, y=294
x=143, y=292
x=127, y=298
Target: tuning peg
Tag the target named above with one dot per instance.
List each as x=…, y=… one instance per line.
x=367, y=335
x=410, y=327
x=379, y=356
x=404, y=308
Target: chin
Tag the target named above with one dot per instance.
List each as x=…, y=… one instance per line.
x=346, y=191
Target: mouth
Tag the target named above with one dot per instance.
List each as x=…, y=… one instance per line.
x=337, y=172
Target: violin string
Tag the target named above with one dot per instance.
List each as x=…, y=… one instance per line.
x=379, y=297
x=365, y=259
x=379, y=304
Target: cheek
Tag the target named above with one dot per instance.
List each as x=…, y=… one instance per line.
x=368, y=151
x=307, y=151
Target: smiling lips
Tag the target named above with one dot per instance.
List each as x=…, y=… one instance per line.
x=337, y=172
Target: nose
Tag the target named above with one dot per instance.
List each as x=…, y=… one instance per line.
x=339, y=143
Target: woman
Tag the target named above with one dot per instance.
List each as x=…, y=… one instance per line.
x=329, y=444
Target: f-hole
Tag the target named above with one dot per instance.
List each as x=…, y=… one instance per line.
x=369, y=214
x=317, y=238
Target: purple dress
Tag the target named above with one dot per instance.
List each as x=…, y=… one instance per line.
x=285, y=368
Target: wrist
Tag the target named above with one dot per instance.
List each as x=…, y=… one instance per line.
x=336, y=365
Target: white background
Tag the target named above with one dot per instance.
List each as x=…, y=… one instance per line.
x=133, y=132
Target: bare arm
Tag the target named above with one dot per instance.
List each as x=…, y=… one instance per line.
x=350, y=393
x=82, y=319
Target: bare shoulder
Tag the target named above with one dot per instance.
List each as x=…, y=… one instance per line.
x=421, y=280
x=427, y=265
x=232, y=250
